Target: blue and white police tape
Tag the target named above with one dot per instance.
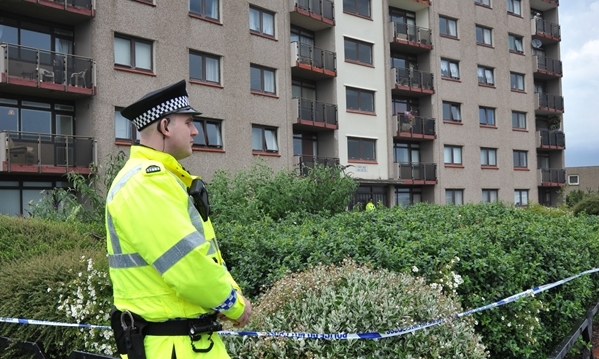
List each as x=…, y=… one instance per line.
x=339, y=336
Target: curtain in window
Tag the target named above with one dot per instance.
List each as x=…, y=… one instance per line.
x=122, y=51
x=214, y=138
x=454, y=70
x=200, y=139
x=122, y=126
x=257, y=138
x=481, y=75
x=268, y=26
x=254, y=20
x=444, y=68
x=212, y=9
x=269, y=81
x=64, y=125
x=143, y=55
x=492, y=158
x=489, y=76
x=518, y=43
x=212, y=70
x=487, y=36
x=452, y=25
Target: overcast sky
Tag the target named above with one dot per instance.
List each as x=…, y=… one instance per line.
x=579, y=20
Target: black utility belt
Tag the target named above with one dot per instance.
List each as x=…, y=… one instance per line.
x=182, y=327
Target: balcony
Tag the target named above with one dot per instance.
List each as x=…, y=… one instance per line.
x=28, y=152
x=313, y=15
x=414, y=127
x=416, y=173
x=551, y=140
x=314, y=115
x=409, y=82
x=30, y=71
x=544, y=5
x=409, y=38
x=547, y=32
x=411, y=5
x=546, y=68
x=551, y=177
x=305, y=162
x=65, y=12
x=312, y=63
x=546, y=104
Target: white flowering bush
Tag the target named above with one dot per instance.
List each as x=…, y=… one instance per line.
x=86, y=299
x=355, y=299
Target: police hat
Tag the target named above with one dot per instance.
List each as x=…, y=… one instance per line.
x=158, y=104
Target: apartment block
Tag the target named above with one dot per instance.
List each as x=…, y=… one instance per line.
x=449, y=101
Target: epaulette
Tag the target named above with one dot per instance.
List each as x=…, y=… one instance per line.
x=152, y=167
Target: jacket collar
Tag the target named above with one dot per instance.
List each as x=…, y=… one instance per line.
x=170, y=163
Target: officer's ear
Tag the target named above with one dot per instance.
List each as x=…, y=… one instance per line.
x=163, y=125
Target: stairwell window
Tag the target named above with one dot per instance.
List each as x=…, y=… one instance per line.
x=131, y=52
x=515, y=44
x=361, y=149
x=264, y=139
x=359, y=99
x=450, y=69
x=262, y=21
x=358, y=51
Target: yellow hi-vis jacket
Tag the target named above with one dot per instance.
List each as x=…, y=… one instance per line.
x=164, y=260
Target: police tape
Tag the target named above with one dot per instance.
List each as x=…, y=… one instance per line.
x=338, y=336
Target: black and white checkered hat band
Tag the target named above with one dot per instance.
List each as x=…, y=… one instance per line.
x=154, y=113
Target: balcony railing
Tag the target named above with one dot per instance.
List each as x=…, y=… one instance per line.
x=552, y=177
x=413, y=79
x=416, y=173
x=321, y=9
x=548, y=65
x=419, y=36
x=313, y=58
x=546, y=28
x=46, y=69
x=551, y=139
x=315, y=113
x=69, y=11
x=310, y=160
x=45, y=153
x=415, y=126
x=553, y=103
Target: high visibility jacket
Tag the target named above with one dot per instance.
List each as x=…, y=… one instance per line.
x=164, y=260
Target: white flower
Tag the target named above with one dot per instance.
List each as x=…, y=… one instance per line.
x=414, y=269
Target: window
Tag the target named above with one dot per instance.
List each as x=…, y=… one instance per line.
x=36, y=117
x=454, y=196
x=452, y=155
x=521, y=197
x=573, y=180
x=358, y=7
x=488, y=156
x=405, y=197
x=262, y=21
x=451, y=112
x=204, y=8
x=264, y=139
x=518, y=120
x=123, y=128
x=358, y=51
x=361, y=149
x=483, y=2
x=132, y=52
x=209, y=133
x=490, y=195
x=448, y=27
x=359, y=100
x=204, y=67
x=486, y=116
x=16, y=195
x=514, y=7
x=485, y=76
x=515, y=43
x=483, y=35
x=450, y=69
x=517, y=81
x=262, y=79
x=520, y=159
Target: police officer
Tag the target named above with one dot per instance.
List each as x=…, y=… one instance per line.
x=169, y=279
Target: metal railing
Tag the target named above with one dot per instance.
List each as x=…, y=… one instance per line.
x=44, y=149
x=548, y=64
x=306, y=162
x=553, y=175
x=415, y=125
x=541, y=26
x=324, y=8
x=553, y=102
x=30, y=63
x=416, y=171
x=413, y=78
x=316, y=111
x=403, y=31
x=553, y=138
x=583, y=328
x=314, y=56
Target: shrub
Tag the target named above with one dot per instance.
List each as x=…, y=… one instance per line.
x=589, y=205
x=350, y=299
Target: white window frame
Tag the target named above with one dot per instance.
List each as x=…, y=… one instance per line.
x=574, y=183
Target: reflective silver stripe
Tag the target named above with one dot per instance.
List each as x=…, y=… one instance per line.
x=129, y=260
x=194, y=216
x=178, y=251
x=114, y=239
x=121, y=183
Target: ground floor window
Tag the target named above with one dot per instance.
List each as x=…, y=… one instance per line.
x=17, y=195
x=407, y=196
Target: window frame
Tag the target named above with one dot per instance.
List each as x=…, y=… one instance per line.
x=361, y=142
x=486, y=3
x=453, y=192
x=452, y=106
x=483, y=30
x=448, y=20
x=513, y=39
x=357, y=44
x=510, y=4
x=360, y=92
x=519, y=193
x=452, y=155
x=519, y=157
x=485, y=156
x=133, y=40
x=515, y=77
x=201, y=124
x=486, y=70
x=202, y=14
x=574, y=183
x=262, y=89
x=355, y=10
x=487, y=110
x=519, y=120
x=261, y=13
x=133, y=134
x=486, y=195
x=263, y=139
x=203, y=56
x=450, y=74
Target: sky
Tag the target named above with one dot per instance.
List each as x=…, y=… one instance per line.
x=579, y=22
